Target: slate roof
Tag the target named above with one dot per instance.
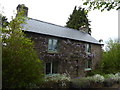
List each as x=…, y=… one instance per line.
x=37, y=26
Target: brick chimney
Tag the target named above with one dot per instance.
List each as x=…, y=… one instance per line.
x=21, y=7
x=85, y=30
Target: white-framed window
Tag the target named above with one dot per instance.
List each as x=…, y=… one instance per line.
x=51, y=68
x=52, y=45
x=87, y=48
x=88, y=64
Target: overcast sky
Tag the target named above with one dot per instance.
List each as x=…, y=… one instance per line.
x=104, y=24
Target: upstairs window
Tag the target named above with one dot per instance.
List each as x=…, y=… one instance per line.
x=87, y=48
x=52, y=45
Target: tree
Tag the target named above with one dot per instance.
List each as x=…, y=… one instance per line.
x=4, y=22
x=78, y=19
x=103, y=4
x=20, y=63
x=110, y=62
x=111, y=58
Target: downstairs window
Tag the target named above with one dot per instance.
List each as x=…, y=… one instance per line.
x=51, y=67
x=88, y=64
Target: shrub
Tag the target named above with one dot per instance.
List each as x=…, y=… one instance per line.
x=87, y=82
x=80, y=83
x=111, y=79
x=94, y=72
x=110, y=62
x=57, y=77
x=20, y=63
x=96, y=78
x=56, y=81
x=96, y=81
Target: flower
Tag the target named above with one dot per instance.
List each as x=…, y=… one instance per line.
x=57, y=77
x=113, y=77
x=96, y=78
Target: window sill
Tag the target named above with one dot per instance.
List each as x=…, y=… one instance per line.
x=51, y=74
x=88, y=69
x=88, y=53
x=52, y=51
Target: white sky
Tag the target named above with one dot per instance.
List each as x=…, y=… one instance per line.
x=104, y=24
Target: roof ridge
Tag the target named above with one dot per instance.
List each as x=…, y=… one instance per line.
x=67, y=33
x=55, y=24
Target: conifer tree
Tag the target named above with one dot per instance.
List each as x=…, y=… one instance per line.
x=79, y=19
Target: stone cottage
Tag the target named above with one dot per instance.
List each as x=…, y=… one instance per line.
x=61, y=49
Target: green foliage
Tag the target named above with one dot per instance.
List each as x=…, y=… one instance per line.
x=102, y=4
x=78, y=19
x=80, y=83
x=97, y=81
x=4, y=22
x=57, y=77
x=110, y=62
x=97, y=78
x=20, y=63
x=93, y=72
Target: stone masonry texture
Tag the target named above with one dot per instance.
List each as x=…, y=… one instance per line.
x=71, y=54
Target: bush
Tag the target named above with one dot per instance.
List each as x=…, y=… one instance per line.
x=57, y=77
x=110, y=62
x=56, y=81
x=96, y=81
x=96, y=78
x=80, y=83
x=111, y=79
x=88, y=82
x=94, y=72
x=20, y=63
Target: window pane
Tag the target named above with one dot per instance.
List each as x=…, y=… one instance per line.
x=55, y=67
x=88, y=63
x=48, y=68
x=50, y=44
x=54, y=47
x=87, y=47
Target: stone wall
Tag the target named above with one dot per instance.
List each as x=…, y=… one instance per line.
x=70, y=56
x=97, y=51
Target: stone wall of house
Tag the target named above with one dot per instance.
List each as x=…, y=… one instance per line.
x=70, y=56
x=97, y=51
